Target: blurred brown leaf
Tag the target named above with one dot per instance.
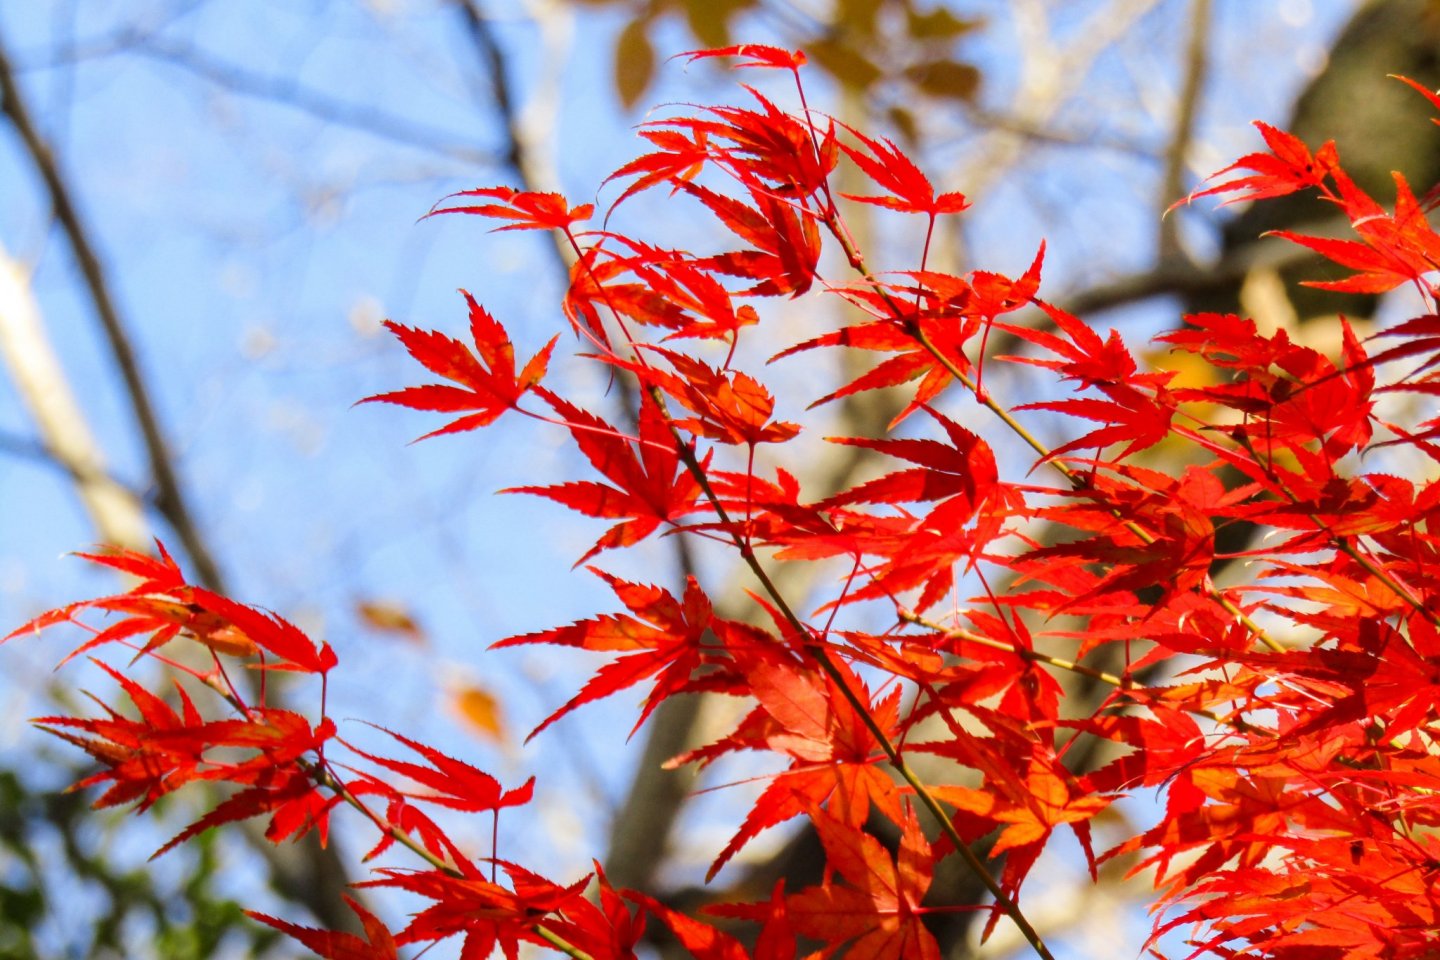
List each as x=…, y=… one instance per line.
x=480, y=710
x=634, y=62
x=389, y=616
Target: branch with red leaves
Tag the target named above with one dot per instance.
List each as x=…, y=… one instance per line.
x=1290, y=722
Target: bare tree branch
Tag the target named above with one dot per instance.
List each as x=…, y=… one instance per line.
x=333, y=110
x=1172, y=183
x=520, y=152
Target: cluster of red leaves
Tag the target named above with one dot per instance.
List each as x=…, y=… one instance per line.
x=1291, y=721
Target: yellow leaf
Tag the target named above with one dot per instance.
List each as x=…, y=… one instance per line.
x=480, y=710
x=387, y=616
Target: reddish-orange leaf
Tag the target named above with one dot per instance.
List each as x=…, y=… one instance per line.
x=390, y=616
x=964, y=469
x=804, y=715
x=878, y=909
x=664, y=640
x=485, y=913
x=730, y=406
x=378, y=943
x=1288, y=167
x=754, y=54
x=910, y=191
x=529, y=210
x=453, y=783
x=480, y=710
x=488, y=385
x=651, y=486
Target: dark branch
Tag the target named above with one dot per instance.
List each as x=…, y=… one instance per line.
x=289, y=93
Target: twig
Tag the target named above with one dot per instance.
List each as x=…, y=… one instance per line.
x=1172, y=182
x=862, y=710
x=333, y=110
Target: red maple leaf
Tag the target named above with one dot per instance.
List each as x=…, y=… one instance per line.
x=452, y=783
x=165, y=606
x=488, y=384
x=530, y=210
x=754, y=54
x=651, y=486
x=910, y=191
x=664, y=639
x=730, y=406
x=834, y=756
x=378, y=944
x=485, y=913
x=1288, y=167
x=878, y=908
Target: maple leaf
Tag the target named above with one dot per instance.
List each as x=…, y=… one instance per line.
x=454, y=783
x=487, y=914
x=1049, y=800
x=786, y=244
x=963, y=472
x=165, y=606
x=669, y=290
x=488, y=384
x=607, y=931
x=647, y=491
x=776, y=940
x=770, y=152
x=912, y=360
x=161, y=603
x=378, y=944
x=142, y=765
x=664, y=639
x=910, y=190
x=878, y=909
x=146, y=759
x=679, y=157
x=270, y=631
x=287, y=792
x=529, y=210
x=803, y=714
x=730, y=406
x=755, y=55
x=1396, y=249
x=1288, y=167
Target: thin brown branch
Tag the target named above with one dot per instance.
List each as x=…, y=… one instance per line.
x=518, y=152
x=288, y=92
x=822, y=659
x=646, y=818
x=1173, y=181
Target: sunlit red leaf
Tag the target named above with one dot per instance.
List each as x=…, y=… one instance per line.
x=488, y=384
